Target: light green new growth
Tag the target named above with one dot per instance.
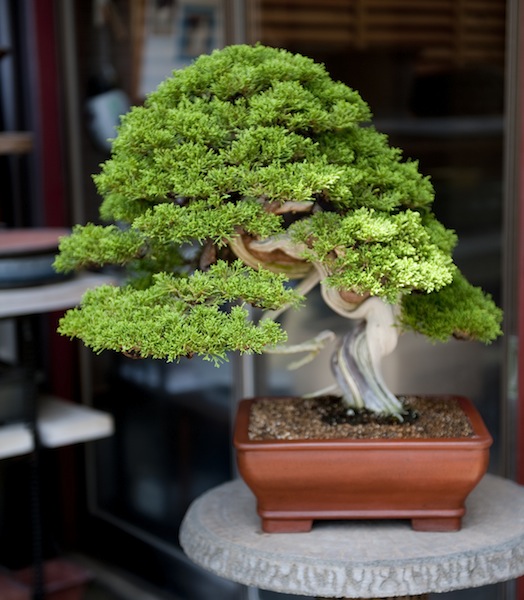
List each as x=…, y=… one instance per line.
x=248, y=143
x=370, y=251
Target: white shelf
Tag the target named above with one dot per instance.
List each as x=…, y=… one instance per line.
x=15, y=302
x=60, y=423
x=15, y=440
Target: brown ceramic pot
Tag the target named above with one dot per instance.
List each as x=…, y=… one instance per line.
x=424, y=480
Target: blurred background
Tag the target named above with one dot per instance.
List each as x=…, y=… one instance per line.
x=442, y=78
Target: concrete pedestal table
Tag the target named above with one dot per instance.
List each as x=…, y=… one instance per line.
x=358, y=559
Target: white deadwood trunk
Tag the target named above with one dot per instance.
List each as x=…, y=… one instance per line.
x=356, y=363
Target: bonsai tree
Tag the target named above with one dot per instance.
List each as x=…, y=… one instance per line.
x=248, y=178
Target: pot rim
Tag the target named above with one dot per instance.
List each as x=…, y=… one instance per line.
x=481, y=438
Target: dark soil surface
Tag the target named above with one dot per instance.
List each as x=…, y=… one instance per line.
x=295, y=418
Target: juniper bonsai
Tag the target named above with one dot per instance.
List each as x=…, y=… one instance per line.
x=240, y=173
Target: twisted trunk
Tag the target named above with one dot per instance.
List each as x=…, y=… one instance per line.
x=356, y=364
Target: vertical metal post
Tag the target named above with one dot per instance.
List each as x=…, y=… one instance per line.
x=66, y=14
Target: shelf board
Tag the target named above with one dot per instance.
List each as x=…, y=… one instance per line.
x=60, y=423
x=16, y=142
x=15, y=302
x=15, y=440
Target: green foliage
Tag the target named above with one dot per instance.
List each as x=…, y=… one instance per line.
x=255, y=122
x=225, y=282
x=179, y=224
x=183, y=316
x=215, y=152
x=370, y=251
x=371, y=173
x=459, y=309
x=94, y=246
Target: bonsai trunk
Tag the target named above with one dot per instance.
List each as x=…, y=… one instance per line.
x=356, y=363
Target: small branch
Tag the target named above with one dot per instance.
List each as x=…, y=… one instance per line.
x=312, y=346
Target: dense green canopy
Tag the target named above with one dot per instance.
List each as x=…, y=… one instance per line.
x=247, y=143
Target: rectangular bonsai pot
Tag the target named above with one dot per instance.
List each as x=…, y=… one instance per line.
x=424, y=480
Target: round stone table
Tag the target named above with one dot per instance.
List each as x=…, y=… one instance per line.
x=358, y=559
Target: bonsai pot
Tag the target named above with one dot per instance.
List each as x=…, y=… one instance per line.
x=425, y=480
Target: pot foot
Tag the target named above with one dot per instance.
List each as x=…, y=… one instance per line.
x=436, y=524
x=286, y=525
